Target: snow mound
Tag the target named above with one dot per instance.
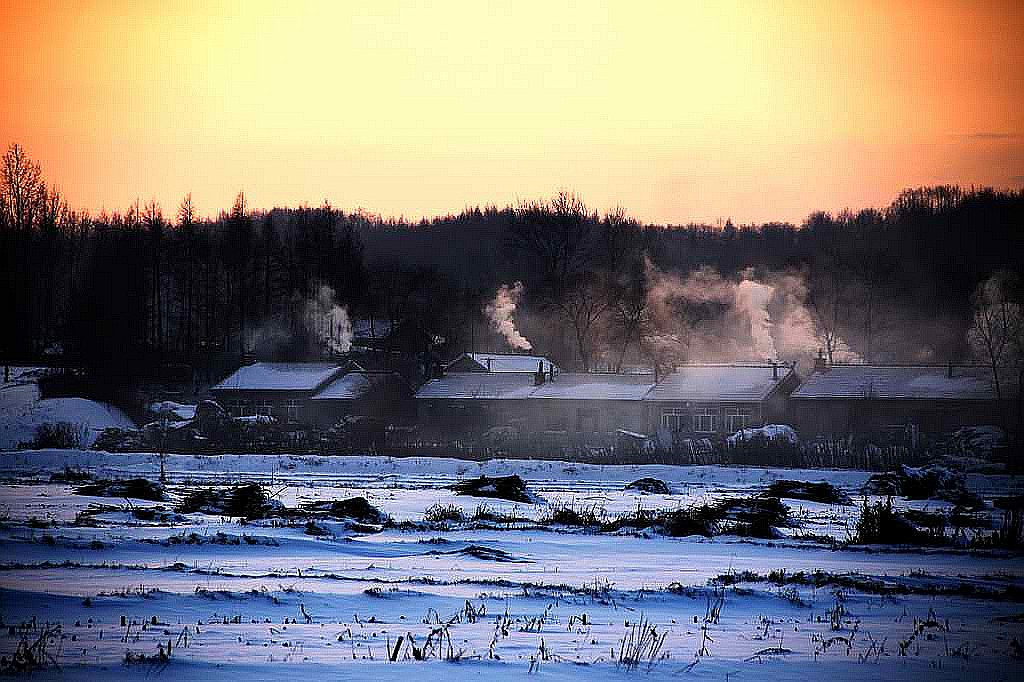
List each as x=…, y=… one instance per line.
x=768, y=432
x=20, y=419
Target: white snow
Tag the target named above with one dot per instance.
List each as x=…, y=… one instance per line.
x=22, y=411
x=281, y=603
x=173, y=410
x=769, y=431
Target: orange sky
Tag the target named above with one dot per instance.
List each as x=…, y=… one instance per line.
x=676, y=111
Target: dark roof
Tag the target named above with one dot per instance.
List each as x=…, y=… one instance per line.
x=357, y=384
x=280, y=376
x=480, y=385
x=720, y=383
x=898, y=382
x=582, y=386
x=499, y=362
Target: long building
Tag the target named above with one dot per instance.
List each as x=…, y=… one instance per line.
x=698, y=399
x=837, y=400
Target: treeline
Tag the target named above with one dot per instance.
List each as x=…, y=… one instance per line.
x=144, y=286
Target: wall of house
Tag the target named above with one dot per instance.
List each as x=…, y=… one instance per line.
x=839, y=418
x=288, y=407
x=704, y=417
x=391, y=407
x=532, y=416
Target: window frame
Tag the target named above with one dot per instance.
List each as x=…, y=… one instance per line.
x=677, y=415
x=701, y=413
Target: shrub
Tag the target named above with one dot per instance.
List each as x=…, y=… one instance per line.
x=355, y=508
x=248, y=501
x=135, y=488
x=649, y=485
x=569, y=515
x=880, y=524
x=510, y=488
x=821, y=491
x=443, y=513
x=60, y=435
x=69, y=475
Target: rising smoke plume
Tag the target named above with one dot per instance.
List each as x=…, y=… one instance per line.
x=501, y=313
x=328, y=321
x=316, y=326
x=752, y=299
x=704, y=317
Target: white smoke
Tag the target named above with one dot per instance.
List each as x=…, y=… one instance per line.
x=752, y=299
x=501, y=312
x=705, y=317
x=328, y=321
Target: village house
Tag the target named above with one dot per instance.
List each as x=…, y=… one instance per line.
x=707, y=399
x=382, y=395
x=694, y=399
x=901, y=400
x=279, y=389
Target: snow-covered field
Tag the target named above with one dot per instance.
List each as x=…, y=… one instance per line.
x=266, y=600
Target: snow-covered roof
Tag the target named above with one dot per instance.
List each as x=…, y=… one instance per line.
x=903, y=382
x=582, y=386
x=353, y=385
x=280, y=376
x=720, y=383
x=480, y=385
x=499, y=362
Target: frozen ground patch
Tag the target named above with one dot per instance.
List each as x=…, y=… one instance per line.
x=265, y=598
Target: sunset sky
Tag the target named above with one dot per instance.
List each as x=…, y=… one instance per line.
x=676, y=111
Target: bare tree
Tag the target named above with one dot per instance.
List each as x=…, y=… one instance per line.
x=996, y=327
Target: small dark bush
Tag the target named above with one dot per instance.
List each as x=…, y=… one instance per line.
x=313, y=529
x=749, y=517
x=135, y=488
x=248, y=501
x=69, y=475
x=355, y=508
x=690, y=521
x=60, y=435
x=881, y=524
x=568, y=515
x=485, y=514
x=510, y=488
x=649, y=485
x=925, y=483
x=821, y=491
x=443, y=513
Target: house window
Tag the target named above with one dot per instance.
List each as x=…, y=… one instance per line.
x=704, y=420
x=264, y=408
x=291, y=409
x=240, y=408
x=673, y=419
x=737, y=418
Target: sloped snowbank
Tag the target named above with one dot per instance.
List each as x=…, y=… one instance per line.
x=22, y=412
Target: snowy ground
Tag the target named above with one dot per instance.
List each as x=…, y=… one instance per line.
x=509, y=599
x=21, y=411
